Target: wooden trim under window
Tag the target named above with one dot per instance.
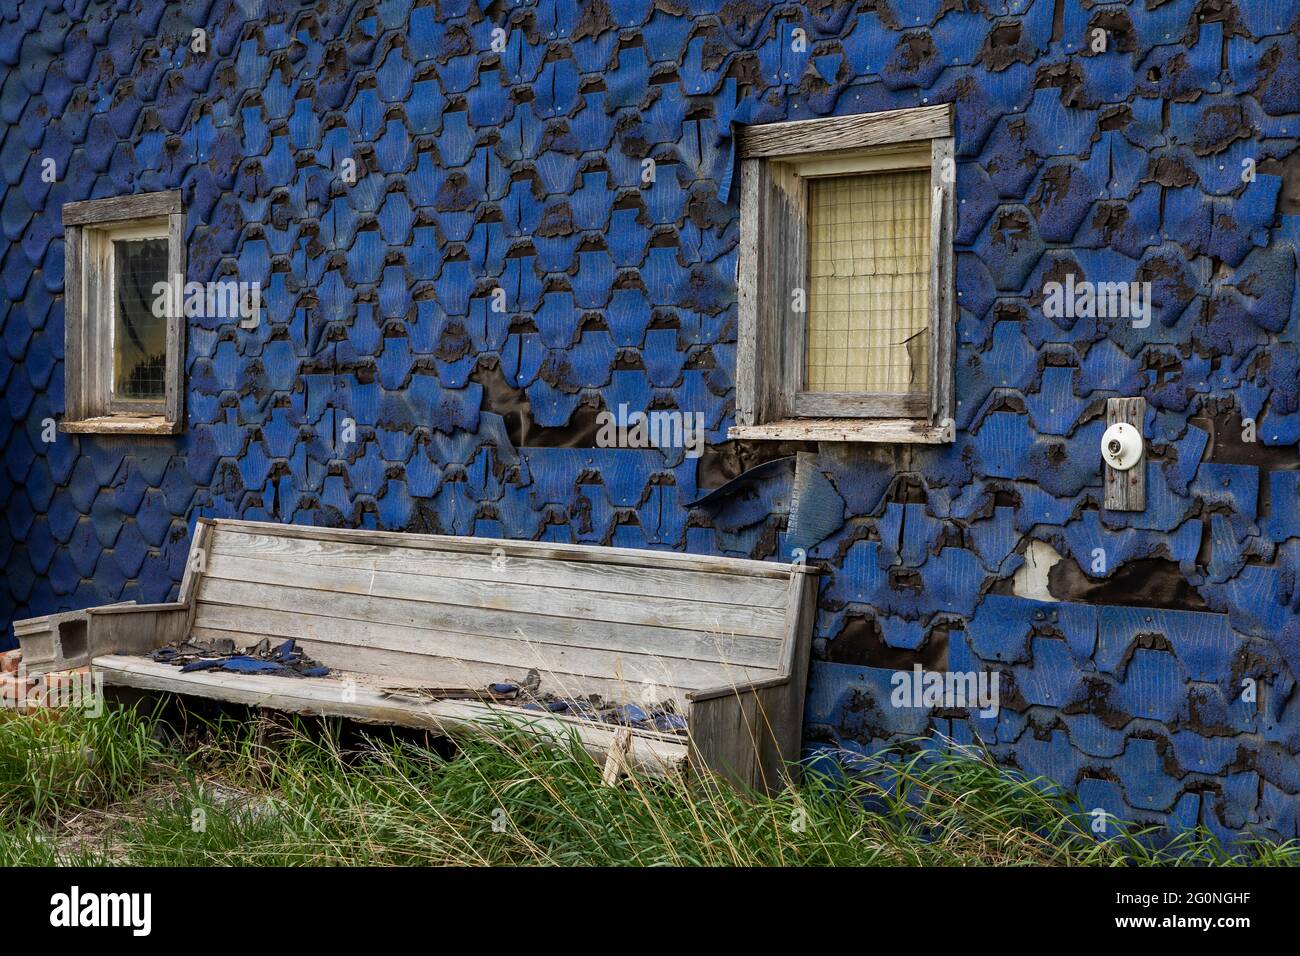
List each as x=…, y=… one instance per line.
x=121, y=424
x=915, y=431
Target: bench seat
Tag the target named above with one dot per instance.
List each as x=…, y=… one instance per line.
x=654, y=753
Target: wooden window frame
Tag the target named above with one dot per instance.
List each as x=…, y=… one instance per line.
x=88, y=230
x=775, y=161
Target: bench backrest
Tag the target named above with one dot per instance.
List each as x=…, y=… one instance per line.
x=434, y=610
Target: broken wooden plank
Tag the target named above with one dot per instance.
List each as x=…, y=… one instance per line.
x=616, y=758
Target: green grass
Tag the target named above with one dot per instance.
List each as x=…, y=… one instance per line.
x=55, y=763
x=120, y=789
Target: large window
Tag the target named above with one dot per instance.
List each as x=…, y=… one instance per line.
x=124, y=337
x=846, y=302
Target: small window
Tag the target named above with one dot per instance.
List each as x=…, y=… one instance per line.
x=846, y=323
x=124, y=344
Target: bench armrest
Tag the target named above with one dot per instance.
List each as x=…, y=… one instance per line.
x=744, y=732
x=728, y=690
x=136, y=608
x=134, y=629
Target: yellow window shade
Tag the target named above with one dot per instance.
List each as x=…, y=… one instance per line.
x=869, y=283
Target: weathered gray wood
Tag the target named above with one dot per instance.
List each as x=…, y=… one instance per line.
x=412, y=669
x=751, y=386
x=773, y=264
x=127, y=608
x=228, y=604
x=196, y=561
x=117, y=209
x=649, y=752
x=121, y=425
x=559, y=602
x=616, y=759
x=772, y=202
x=787, y=269
x=135, y=629
x=859, y=405
x=726, y=738
x=664, y=582
x=787, y=706
x=840, y=133
x=1127, y=490
x=844, y=430
x=943, y=296
x=509, y=548
x=175, y=373
x=97, y=335
x=730, y=690
x=74, y=325
x=751, y=735
x=517, y=649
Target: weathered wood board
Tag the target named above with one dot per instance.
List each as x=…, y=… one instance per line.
x=1126, y=490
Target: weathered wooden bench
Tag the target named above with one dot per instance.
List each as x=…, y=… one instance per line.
x=727, y=640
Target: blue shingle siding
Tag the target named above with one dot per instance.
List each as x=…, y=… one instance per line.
x=520, y=170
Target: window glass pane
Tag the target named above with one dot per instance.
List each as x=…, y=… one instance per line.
x=139, y=336
x=869, y=283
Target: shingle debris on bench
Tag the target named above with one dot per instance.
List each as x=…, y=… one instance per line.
x=285, y=659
